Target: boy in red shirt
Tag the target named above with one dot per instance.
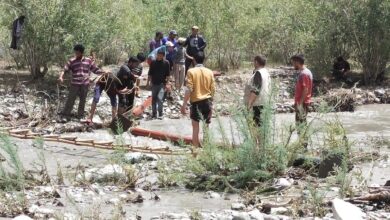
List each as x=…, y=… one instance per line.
x=303, y=94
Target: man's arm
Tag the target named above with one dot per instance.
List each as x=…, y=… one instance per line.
x=255, y=90
x=204, y=44
x=95, y=69
x=188, y=90
x=150, y=74
x=305, y=90
x=66, y=69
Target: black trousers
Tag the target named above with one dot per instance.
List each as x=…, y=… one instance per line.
x=257, y=115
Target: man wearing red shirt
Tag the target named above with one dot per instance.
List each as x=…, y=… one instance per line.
x=303, y=93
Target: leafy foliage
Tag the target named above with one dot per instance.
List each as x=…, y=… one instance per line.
x=235, y=30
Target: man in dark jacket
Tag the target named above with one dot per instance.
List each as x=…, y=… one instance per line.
x=17, y=28
x=126, y=85
x=158, y=75
x=194, y=43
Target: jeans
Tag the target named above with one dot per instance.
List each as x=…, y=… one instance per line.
x=75, y=91
x=98, y=92
x=157, y=99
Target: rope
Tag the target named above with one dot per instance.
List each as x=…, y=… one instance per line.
x=108, y=145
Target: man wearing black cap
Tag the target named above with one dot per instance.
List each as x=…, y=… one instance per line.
x=171, y=37
x=194, y=43
x=126, y=86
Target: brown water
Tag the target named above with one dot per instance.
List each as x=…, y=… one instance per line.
x=368, y=121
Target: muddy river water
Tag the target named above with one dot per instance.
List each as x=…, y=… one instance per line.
x=370, y=121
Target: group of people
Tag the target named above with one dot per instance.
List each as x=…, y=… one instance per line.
x=183, y=58
x=258, y=91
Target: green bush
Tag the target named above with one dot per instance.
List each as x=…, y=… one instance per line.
x=235, y=30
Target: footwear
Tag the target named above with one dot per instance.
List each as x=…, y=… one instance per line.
x=160, y=117
x=89, y=121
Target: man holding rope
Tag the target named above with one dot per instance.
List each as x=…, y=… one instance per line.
x=81, y=68
x=126, y=85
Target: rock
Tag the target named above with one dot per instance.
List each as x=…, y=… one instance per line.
x=279, y=211
x=175, y=216
x=328, y=163
x=387, y=183
x=238, y=206
x=22, y=217
x=34, y=209
x=241, y=216
x=282, y=183
x=136, y=157
x=106, y=174
x=211, y=195
x=70, y=216
x=256, y=215
x=346, y=211
x=270, y=217
x=380, y=92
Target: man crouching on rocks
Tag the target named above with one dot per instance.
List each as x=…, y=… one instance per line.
x=200, y=90
x=81, y=68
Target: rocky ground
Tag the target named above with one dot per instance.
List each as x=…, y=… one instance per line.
x=63, y=181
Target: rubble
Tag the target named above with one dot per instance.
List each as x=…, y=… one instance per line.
x=111, y=172
x=137, y=157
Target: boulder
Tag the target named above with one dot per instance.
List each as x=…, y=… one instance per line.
x=238, y=206
x=256, y=215
x=346, y=211
x=211, y=195
x=22, y=217
x=328, y=163
x=241, y=216
x=111, y=172
x=136, y=157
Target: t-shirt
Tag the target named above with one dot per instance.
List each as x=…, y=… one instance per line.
x=195, y=44
x=81, y=70
x=179, y=57
x=109, y=84
x=159, y=71
x=305, y=80
x=154, y=44
x=126, y=78
x=166, y=39
x=137, y=70
x=200, y=82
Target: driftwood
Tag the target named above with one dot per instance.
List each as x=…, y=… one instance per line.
x=382, y=196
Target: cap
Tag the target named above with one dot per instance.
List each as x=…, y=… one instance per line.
x=173, y=32
x=195, y=27
x=169, y=44
x=181, y=40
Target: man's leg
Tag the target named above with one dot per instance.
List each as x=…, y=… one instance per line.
x=188, y=63
x=83, y=92
x=301, y=123
x=114, y=105
x=96, y=97
x=176, y=75
x=130, y=101
x=154, y=101
x=182, y=70
x=73, y=91
x=257, y=115
x=160, y=100
x=195, y=133
x=122, y=104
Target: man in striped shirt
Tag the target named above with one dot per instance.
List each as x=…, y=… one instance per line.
x=81, y=68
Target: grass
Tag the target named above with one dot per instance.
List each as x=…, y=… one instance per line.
x=12, y=177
